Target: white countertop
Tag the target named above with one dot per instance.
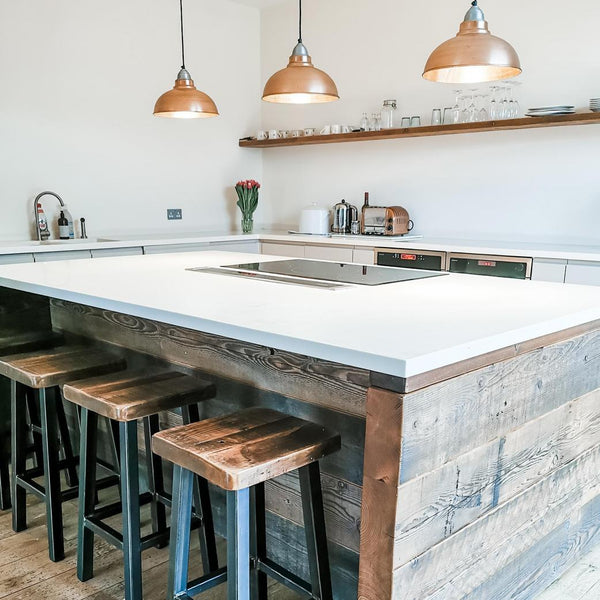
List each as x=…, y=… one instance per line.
x=401, y=329
x=505, y=248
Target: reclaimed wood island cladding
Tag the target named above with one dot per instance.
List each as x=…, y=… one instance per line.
x=484, y=485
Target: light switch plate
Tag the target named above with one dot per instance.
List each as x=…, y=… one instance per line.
x=174, y=214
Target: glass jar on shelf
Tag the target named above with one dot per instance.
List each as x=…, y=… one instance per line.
x=364, y=122
x=387, y=114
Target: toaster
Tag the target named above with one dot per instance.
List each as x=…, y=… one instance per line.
x=385, y=220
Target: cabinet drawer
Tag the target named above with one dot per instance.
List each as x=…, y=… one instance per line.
x=294, y=250
x=67, y=255
x=15, y=259
x=335, y=253
x=171, y=248
x=251, y=246
x=363, y=256
x=585, y=273
x=106, y=252
x=549, y=270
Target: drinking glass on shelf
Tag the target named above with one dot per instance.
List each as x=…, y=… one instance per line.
x=482, y=113
x=364, y=122
x=415, y=121
x=457, y=108
x=513, y=103
x=448, y=118
x=436, y=116
x=405, y=122
x=505, y=106
x=494, y=108
x=470, y=111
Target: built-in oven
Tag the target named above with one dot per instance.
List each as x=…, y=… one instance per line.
x=513, y=267
x=411, y=259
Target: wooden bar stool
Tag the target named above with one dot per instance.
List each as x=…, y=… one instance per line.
x=14, y=343
x=126, y=397
x=41, y=372
x=239, y=453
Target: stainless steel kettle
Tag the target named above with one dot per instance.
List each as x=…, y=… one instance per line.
x=343, y=215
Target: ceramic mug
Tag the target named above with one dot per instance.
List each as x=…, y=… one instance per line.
x=336, y=129
x=273, y=134
x=326, y=130
x=283, y=134
x=309, y=131
x=262, y=135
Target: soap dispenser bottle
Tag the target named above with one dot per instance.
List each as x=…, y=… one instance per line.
x=70, y=221
x=63, y=226
x=42, y=223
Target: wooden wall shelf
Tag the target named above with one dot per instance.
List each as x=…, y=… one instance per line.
x=390, y=134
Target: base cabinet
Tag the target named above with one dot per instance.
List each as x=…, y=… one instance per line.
x=549, y=270
x=363, y=256
x=275, y=249
x=584, y=273
x=335, y=253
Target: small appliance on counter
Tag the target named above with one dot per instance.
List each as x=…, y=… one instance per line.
x=385, y=220
x=344, y=215
x=314, y=220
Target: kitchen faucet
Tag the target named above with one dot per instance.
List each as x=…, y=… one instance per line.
x=35, y=211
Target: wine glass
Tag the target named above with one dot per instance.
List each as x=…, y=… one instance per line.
x=457, y=108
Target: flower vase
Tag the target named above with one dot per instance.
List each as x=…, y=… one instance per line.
x=247, y=223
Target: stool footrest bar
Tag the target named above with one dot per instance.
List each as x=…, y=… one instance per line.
x=205, y=582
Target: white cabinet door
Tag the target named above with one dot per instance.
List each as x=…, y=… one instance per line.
x=363, y=256
x=275, y=249
x=334, y=253
x=586, y=273
x=549, y=270
x=249, y=246
x=14, y=259
x=66, y=255
x=167, y=249
x=106, y=252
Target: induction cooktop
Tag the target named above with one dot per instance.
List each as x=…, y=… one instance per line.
x=320, y=274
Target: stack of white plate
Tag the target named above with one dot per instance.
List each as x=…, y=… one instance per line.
x=546, y=111
x=595, y=104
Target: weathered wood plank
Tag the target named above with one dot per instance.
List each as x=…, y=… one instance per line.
x=456, y=566
x=435, y=505
x=380, y=490
x=453, y=417
x=308, y=379
x=536, y=568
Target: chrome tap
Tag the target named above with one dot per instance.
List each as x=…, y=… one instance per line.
x=35, y=211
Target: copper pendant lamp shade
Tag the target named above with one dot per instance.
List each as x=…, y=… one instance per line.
x=474, y=55
x=184, y=101
x=300, y=82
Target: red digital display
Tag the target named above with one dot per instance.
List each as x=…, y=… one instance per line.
x=486, y=263
x=408, y=256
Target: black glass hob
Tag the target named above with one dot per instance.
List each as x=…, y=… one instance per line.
x=332, y=274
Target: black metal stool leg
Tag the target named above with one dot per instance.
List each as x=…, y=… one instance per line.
x=314, y=526
x=5, y=503
x=130, y=493
x=65, y=438
x=30, y=398
x=154, y=468
x=181, y=515
x=18, y=454
x=258, y=539
x=52, y=475
x=87, y=493
x=202, y=506
x=238, y=545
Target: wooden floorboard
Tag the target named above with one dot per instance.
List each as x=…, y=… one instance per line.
x=26, y=571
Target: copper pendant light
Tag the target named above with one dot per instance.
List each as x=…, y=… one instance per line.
x=184, y=101
x=474, y=55
x=300, y=82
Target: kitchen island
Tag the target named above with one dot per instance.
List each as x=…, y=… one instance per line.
x=468, y=407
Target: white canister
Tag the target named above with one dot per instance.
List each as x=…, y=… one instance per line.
x=315, y=219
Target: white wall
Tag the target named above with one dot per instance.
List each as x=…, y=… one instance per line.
x=532, y=184
x=79, y=79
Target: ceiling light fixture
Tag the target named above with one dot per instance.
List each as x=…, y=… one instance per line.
x=474, y=55
x=184, y=101
x=300, y=82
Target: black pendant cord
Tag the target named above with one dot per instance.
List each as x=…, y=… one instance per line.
x=182, y=44
x=300, y=22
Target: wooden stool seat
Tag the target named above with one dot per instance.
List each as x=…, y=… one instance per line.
x=132, y=395
x=57, y=366
x=247, y=448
